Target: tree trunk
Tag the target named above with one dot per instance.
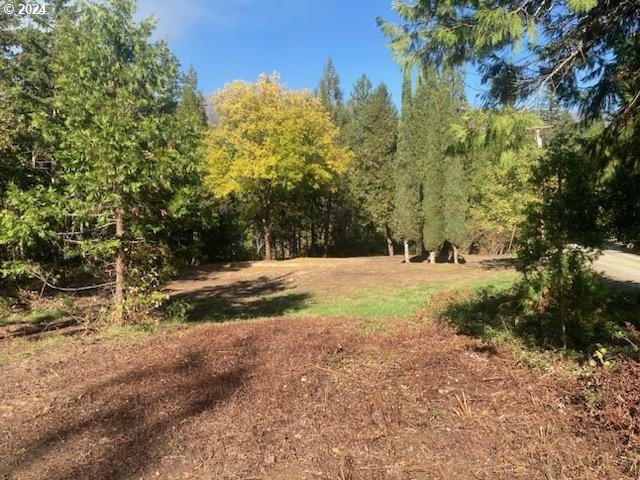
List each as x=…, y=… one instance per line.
x=390, y=249
x=314, y=239
x=118, y=296
x=432, y=257
x=268, y=252
x=455, y=254
x=327, y=230
x=406, y=252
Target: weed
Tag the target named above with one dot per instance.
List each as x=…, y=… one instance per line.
x=463, y=409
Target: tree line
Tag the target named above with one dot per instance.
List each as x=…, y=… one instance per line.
x=112, y=177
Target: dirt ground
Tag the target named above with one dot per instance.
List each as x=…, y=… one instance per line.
x=338, y=275
x=261, y=289
x=297, y=398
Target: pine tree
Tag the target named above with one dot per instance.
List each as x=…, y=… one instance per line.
x=329, y=90
x=321, y=211
x=360, y=94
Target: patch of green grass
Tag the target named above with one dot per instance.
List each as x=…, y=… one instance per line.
x=374, y=306
x=34, y=316
x=391, y=304
x=126, y=334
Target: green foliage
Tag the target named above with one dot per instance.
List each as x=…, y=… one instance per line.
x=561, y=238
x=177, y=311
x=407, y=172
x=436, y=107
x=331, y=95
x=112, y=132
x=518, y=315
x=500, y=156
x=374, y=145
x=585, y=51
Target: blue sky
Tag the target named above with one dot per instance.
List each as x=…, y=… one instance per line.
x=227, y=40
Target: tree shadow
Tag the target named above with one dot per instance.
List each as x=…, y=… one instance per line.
x=498, y=264
x=627, y=285
x=205, y=272
x=121, y=426
x=494, y=315
x=419, y=258
x=244, y=299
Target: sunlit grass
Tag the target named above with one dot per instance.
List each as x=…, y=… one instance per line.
x=400, y=303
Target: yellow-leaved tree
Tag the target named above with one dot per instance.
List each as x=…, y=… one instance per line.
x=268, y=142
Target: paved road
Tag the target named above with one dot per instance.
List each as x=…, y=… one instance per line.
x=620, y=266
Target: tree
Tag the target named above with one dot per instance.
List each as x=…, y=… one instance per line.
x=269, y=143
x=500, y=155
x=115, y=93
x=26, y=83
x=444, y=192
x=375, y=146
x=191, y=210
x=360, y=94
x=330, y=93
x=563, y=233
x=586, y=52
x=407, y=175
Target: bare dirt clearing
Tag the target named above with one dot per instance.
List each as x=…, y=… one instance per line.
x=337, y=275
x=298, y=398
x=307, y=286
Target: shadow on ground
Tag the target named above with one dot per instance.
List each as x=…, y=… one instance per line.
x=627, y=285
x=245, y=299
x=117, y=428
x=498, y=264
x=205, y=272
x=493, y=315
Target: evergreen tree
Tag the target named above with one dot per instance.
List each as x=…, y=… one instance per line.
x=372, y=167
x=191, y=208
x=407, y=208
x=436, y=108
x=330, y=93
x=360, y=94
x=322, y=206
x=585, y=51
x=116, y=94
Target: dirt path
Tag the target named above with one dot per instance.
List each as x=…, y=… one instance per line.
x=621, y=267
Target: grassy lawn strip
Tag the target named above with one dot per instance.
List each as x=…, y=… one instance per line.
x=401, y=303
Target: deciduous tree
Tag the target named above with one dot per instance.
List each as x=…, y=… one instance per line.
x=269, y=142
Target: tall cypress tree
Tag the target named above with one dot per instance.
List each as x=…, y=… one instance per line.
x=444, y=196
x=455, y=189
x=408, y=217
